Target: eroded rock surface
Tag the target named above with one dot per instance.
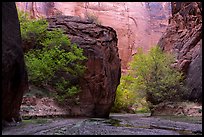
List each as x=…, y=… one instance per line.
x=102, y=75
x=177, y=108
x=183, y=38
x=14, y=75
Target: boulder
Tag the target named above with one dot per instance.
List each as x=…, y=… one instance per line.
x=177, y=109
x=14, y=75
x=183, y=38
x=194, y=78
x=102, y=76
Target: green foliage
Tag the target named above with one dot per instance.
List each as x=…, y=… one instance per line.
x=66, y=93
x=43, y=63
x=53, y=52
x=150, y=81
x=63, y=87
x=32, y=31
x=127, y=97
x=155, y=77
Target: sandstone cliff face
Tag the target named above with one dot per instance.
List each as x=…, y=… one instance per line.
x=102, y=75
x=14, y=76
x=138, y=24
x=183, y=38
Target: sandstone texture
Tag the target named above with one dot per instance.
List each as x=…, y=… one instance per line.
x=183, y=38
x=102, y=75
x=137, y=24
x=14, y=75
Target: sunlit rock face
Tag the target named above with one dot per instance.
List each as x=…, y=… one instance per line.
x=138, y=24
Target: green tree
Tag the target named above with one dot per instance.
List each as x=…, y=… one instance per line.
x=155, y=76
x=52, y=53
x=150, y=80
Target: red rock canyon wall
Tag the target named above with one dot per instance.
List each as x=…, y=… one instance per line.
x=138, y=24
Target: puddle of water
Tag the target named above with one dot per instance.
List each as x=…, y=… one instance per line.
x=113, y=122
x=116, y=122
x=188, y=119
x=36, y=121
x=181, y=132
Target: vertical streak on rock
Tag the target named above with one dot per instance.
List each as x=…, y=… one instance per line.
x=32, y=11
x=50, y=6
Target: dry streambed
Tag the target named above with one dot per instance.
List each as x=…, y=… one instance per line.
x=42, y=116
x=117, y=124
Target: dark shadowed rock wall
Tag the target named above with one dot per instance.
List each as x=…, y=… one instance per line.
x=102, y=76
x=14, y=75
x=183, y=38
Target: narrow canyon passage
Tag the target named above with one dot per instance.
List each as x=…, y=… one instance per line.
x=106, y=99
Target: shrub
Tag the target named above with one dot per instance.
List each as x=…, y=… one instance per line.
x=150, y=81
x=33, y=31
x=52, y=53
x=128, y=99
x=155, y=77
x=43, y=63
x=125, y=97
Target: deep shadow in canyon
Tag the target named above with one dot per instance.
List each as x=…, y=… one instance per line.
x=182, y=37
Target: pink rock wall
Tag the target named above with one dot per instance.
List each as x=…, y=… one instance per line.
x=138, y=24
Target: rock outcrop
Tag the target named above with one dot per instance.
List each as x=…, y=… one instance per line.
x=183, y=38
x=137, y=24
x=14, y=75
x=177, y=109
x=102, y=75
